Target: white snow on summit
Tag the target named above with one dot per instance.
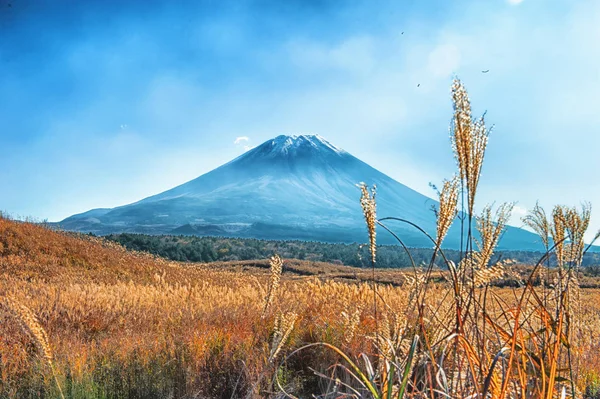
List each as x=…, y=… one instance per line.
x=288, y=144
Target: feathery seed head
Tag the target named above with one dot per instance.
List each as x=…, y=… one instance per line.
x=576, y=225
x=489, y=274
x=448, y=199
x=469, y=141
x=491, y=228
x=461, y=126
x=351, y=322
x=31, y=327
x=369, y=207
x=284, y=324
x=559, y=233
x=276, y=268
x=537, y=220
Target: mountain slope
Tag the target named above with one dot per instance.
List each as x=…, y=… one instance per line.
x=290, y=187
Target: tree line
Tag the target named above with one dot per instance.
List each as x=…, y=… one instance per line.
x=212, y=249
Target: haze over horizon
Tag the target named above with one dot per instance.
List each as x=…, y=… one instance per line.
x=112, y=104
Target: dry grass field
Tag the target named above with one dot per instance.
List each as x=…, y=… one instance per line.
x=123, y=324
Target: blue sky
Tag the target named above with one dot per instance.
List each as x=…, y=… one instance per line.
x=103, y=103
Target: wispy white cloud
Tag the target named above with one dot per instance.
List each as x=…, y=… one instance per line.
x=518, y=213
x=241, y=139
x=243, y=142
x=515, y=2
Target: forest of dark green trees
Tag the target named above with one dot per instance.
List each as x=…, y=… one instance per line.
x=211, y=249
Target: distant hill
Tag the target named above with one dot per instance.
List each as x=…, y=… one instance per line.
x=290, y=187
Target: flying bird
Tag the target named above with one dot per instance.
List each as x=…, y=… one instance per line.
x=486, y=71
x=419, y=85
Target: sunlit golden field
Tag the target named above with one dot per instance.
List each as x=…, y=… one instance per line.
x=127, y=325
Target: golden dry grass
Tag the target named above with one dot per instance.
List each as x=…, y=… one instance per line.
x=124, y=322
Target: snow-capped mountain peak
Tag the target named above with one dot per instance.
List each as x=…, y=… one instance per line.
x=289, y=187
x=293, y=144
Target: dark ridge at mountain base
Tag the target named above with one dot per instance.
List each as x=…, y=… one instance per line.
x=280, y=232
x=290, y=187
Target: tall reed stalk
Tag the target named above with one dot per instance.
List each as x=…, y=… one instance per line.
x=34, y=330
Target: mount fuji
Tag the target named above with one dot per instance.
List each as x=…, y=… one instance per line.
x=291, y=187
